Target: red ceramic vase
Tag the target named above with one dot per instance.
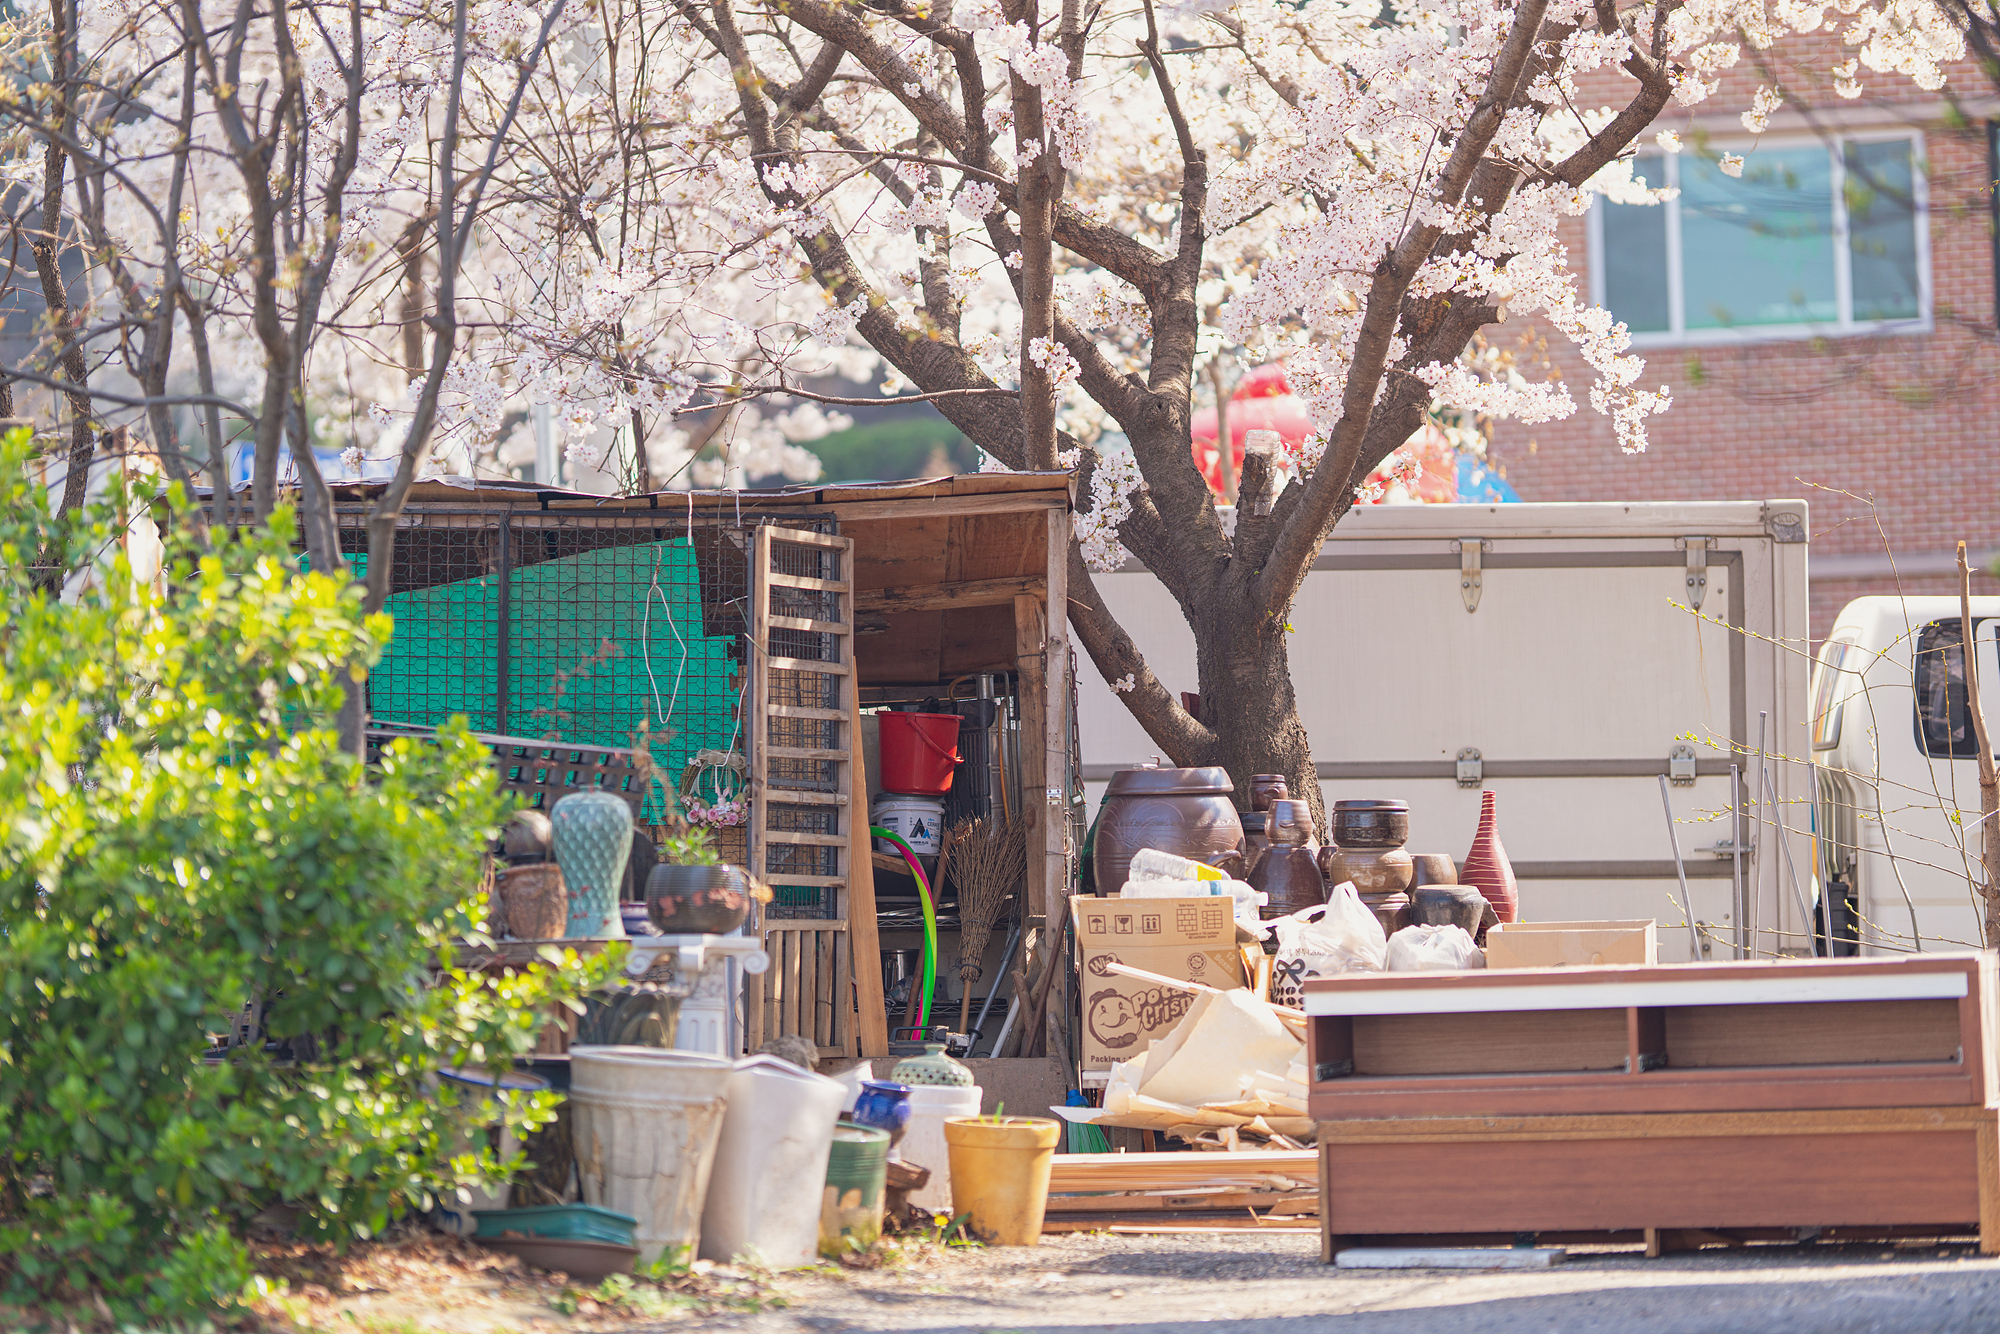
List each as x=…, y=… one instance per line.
x=1487, y=868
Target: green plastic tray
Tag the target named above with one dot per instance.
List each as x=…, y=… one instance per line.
x=560, y=1222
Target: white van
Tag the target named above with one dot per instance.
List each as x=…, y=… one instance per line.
x=1566, y=657
x=1896, y=846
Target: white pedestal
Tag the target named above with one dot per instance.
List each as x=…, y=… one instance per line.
x=715, y=966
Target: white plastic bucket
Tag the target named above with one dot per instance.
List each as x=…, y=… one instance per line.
x=770, y=1165
x=919, y=821
x=923, y=1143
x=645, y=1122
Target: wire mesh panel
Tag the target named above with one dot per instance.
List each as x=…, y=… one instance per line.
x=555, y=625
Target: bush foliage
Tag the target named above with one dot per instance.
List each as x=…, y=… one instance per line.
x=180, y=837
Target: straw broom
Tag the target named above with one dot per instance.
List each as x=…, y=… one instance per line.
x=987, y=861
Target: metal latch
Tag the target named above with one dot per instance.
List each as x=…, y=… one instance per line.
x=1680, y=765
x=1697, y=567
x=1469, y=579
x=1471, y=767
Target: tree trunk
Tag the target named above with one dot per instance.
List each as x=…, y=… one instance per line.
x=1248, y=703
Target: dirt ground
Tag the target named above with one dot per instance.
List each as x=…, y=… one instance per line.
x=1213, y=1284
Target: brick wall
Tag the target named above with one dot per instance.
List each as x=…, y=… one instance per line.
x=1893, y=440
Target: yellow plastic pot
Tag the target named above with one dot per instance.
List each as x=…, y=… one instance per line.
x=1000, y=1175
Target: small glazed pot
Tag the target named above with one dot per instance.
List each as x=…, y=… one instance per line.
x=1432, y=868
x=1371, y=824
x=883, y=1106
x=1267, y=788
x=1371, y=870
x=696, y=900
x=1289, y=870
x=1449, y=905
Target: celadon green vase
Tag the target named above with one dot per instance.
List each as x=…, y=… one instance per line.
x=593, y=841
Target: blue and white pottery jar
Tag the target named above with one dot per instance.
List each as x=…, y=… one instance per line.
x=593, y=841
x=883, y=1106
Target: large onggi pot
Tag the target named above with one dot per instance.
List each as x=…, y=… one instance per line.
x=1183, y=811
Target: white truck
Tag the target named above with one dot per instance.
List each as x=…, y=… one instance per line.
x=1892, y=739
x=1567, y=657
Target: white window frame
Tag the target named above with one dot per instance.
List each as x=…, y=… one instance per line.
x=1679, y=335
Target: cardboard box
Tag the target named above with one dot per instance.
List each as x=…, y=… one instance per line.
x=1571, y=944
x=1192, y=938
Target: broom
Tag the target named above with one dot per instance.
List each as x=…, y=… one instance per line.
x=987, y=861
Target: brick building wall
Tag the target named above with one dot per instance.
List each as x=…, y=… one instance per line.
x=1893, y=439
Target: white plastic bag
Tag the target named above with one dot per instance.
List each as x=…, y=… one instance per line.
x=1338, y=936
x=1433, y=949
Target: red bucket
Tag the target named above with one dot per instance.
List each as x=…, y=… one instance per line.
x=919, y=752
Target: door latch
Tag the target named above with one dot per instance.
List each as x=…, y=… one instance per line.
x=1697, y=569
x=1469, y=576
x=1680, y=765
x=1471, y=767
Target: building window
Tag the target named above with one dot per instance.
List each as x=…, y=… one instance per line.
x=1810, y=240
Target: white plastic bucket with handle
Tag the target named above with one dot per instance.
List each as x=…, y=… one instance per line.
x=923, y=1143
x=918, y=821
x=645, y=1122
x=770, y=1165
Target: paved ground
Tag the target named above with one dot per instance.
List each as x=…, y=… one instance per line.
x=1276, y=1285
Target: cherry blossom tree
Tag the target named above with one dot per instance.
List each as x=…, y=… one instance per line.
x=1045, y=220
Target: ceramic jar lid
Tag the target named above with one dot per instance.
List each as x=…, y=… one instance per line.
x=933, y=1067
x=1167, y=782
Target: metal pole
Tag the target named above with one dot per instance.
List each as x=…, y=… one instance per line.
x=1807, y=918
x=1687, y=909
x=1756, y=889
x=1736, y=860
x=999, y=973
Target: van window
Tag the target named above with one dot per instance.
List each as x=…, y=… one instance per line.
x=1826, y=689
x=1944, y=714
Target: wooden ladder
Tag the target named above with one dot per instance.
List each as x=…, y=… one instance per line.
x=808, y=826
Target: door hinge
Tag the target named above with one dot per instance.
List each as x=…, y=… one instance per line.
x=1697, y=549
x=1680, y=765
x=1469, y=576
x=1471, y=767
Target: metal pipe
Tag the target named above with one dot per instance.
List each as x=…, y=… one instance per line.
x=1742, y=906
x=1687, y=908
x=1007, y=1026
x=1013, y=939
x=1756, y=888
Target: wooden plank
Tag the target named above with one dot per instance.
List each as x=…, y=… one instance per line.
x=1988, y=1155
x=808, y=881
x=805, y=753
x=805, y=537
x=806, y=711
x=1055, y=730
x=861, y=511
x=1029, y=641
x=800, y=925
x=789, y=796
x=810, y=625
x=1749, y=982
x=869, y=1035
x=801, y=838
x=946, y=597
x=756, y=727
x=807, y=1015
x=777, y=580
x=808, y=665
x=1714, y=1181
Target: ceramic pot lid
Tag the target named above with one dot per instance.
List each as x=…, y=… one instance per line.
x=1168, y=782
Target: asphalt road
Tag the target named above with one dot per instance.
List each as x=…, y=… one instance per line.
x=1195, y=1284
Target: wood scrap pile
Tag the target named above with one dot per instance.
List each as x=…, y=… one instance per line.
x=1120, y=1191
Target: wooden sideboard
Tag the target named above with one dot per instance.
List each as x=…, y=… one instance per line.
x=1783, y=1094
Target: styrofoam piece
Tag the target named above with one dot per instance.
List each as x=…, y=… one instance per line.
x=1448, y=1257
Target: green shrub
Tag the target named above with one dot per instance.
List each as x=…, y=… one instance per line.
x=180, y=838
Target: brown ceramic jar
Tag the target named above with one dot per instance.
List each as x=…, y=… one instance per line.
x=1289, y=872
x=1183, y=811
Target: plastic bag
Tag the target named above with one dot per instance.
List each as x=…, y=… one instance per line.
x=1433, y=949
x=1338, y=936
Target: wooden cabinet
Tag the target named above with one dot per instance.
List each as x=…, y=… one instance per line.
x=1716, y=1098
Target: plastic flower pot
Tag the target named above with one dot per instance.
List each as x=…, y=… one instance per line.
x=1000, y=1175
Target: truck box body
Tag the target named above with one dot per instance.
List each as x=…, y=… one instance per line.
x=1576, y=673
